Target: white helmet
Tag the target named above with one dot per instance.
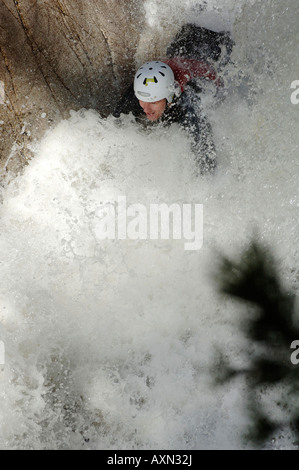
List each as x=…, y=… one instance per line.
x=154, y=81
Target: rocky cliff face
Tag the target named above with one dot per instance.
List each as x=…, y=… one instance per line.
x=57, y=55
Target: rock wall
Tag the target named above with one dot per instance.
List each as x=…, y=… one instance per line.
x=57, y=55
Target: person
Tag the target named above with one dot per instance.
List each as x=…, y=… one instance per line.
x=168, y=90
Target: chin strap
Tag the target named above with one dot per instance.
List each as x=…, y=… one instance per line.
x=175, y=89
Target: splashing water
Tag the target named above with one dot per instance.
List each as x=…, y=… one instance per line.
x=110, y=343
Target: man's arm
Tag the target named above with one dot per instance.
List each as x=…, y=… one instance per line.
x=203, y=147
x=200, y=131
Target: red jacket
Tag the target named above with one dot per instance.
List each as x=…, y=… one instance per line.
x=186, y=69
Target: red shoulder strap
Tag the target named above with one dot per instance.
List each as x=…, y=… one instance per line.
x=186, y=69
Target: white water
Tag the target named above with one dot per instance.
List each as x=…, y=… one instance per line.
x=110, y=344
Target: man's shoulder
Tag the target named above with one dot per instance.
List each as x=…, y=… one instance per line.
x=187, y=69
x=177, y=110
x=128, y=104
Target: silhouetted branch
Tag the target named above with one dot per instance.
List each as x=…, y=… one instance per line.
x=254, y=279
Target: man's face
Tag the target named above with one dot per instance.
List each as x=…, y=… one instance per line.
x=153, y=110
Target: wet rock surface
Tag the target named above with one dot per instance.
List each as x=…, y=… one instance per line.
x=57, y=55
